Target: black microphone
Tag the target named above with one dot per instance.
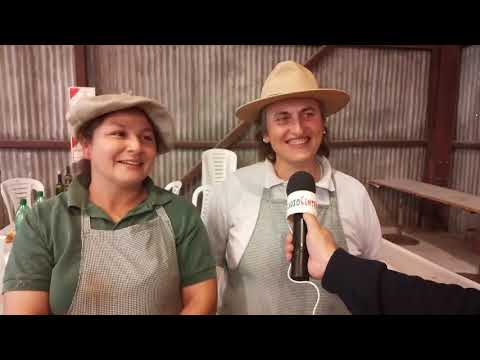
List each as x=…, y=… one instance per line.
x=300, y=198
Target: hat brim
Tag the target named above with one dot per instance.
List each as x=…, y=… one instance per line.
x=333, y=101
x=91, y=107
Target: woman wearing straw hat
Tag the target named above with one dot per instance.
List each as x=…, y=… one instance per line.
x=114, y=243
x=246, y=216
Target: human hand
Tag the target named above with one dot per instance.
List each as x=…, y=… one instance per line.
x=320, y=245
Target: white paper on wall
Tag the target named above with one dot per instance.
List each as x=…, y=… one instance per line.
x=76, y=93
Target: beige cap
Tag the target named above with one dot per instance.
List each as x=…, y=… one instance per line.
x=91, y=107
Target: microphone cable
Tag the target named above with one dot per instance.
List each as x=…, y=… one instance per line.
x=305, y=282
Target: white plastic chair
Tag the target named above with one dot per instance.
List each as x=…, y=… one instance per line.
x=217, y=164
x=2, y=264
x=174, y=187
x=14, y=189
x=204, y=190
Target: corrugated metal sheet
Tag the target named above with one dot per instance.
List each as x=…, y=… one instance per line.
x=468, y=121
x=205, y=84
x=201, y=85
x=388, y=89
x=466, y=170
x=34, y=92
x=33, y=103
x=382, y=163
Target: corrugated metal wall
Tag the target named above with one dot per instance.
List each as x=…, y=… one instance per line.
x=33, y=103
x=34, y=95
x=466, y=169
x=388, y=89
x=389, y=93
x=203, y=85
x=380, y=163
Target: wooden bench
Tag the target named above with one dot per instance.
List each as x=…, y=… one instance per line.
x=454, y=198
x=442, y=242
x=446, y=196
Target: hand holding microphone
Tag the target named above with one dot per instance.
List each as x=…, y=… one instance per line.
x=320, y=245
x=310, y=246
x=302, y=213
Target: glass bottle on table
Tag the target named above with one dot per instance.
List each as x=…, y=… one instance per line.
x=21, y=212
x=59, y=188
x=40, y=197
x=67, y=180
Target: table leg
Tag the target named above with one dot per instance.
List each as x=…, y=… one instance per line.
x=472, y=233
x=400, y=214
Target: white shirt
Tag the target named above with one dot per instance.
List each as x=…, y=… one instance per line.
x=234, y=204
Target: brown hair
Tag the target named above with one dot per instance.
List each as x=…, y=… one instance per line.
x=266, y=150
x=85, y=134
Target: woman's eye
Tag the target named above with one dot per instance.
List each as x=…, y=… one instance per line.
x=118, y=133
x=148, y=138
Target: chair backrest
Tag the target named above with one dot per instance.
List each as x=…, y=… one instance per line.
x=217, y=164
x=2, y=264
x=174, y=187
x=14, y=189
x=204, y=190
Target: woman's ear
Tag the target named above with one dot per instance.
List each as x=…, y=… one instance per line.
x=265, y=137
x=86, y=148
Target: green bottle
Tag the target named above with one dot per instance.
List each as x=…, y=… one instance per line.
x=67, y=179
x=59, y=185
x=21, y=212
x=39, y=197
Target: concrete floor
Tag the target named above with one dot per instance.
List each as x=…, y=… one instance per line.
x=450, y=251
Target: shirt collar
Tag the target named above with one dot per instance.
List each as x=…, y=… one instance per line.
x=77, y=194
x=325, y=182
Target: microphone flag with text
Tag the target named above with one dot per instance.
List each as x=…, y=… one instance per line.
x=301, y=198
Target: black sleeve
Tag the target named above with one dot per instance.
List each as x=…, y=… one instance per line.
x=368, y=287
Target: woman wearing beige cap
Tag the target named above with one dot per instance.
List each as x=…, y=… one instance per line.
x=114, y=243
x=246, y=217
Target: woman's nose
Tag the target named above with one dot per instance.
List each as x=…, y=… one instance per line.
x=296, y=126
x=134, y=143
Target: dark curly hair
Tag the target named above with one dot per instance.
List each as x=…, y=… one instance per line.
x=266, y=150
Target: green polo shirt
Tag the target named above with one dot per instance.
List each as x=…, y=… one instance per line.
x=46, y=252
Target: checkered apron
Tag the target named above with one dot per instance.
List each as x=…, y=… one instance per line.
x=259, y=285
x=133, y=270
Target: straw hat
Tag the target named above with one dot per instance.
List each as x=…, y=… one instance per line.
x=91, y=107
x=291, y=80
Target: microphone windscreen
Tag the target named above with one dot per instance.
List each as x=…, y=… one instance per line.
x=301, y=181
